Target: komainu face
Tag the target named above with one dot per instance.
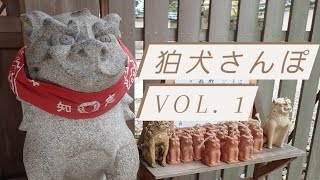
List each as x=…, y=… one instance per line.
x=160, y=126
x=75, y=50
x=174, y=142
x=281, y=106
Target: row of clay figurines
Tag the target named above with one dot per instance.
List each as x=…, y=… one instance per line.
x=229, y=142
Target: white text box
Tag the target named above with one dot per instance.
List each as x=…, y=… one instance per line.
x=197, y=103
x=228, y=61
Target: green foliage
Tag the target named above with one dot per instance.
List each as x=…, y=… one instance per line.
x=173, y=5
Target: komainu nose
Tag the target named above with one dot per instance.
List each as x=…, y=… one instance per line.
x=91, y=49
x=287, y=108
x=103, y=53
x=81, y=52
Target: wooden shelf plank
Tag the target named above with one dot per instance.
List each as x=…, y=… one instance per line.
x=197, y=167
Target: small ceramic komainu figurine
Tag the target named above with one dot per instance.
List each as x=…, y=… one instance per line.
x=209, y=133
x=221, y=135
x=256, y=121
x=278, y=122
x=243, y=128
x=156, y=142
x=223, y=126
x=178, y=132
x=245, y=147
x=72, y=79
x=212, y=152
x=209, y=127
x=200, y=128
x=234, y=130
x=233, y=126
x=257, y=133
x=188, y=130
x=173, y=156
x=198, y=147
x=229, y=150
x=186, y=148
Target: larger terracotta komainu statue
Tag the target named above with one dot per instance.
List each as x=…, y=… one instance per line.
x=72, y=79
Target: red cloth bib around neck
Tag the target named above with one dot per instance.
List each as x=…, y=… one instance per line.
x=66, y=102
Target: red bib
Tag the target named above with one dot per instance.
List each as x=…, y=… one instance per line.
x=66, y=102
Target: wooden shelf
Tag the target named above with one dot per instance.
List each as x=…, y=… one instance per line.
x=267, y=155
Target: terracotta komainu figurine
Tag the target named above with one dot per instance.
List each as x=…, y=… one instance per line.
x=229, y=142
x=198, y=148
x=257, y=133
x=156, y=142
x=188, y=130
x=212, y=152
x=245, y=147
x=178, y=132
x=210, y=132
x=186, y=148
x=173, y=156
x=229, y=150
x=246, y=142
x=209, y=127
x=222, y=134
x=233, y=129
x=242, y=128
x=200, y=128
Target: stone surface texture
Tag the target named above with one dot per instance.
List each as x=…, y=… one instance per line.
x=77, y=51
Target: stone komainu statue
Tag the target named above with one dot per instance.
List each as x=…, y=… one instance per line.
x=82, y=56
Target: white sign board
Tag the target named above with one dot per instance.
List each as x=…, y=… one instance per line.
x=228, y=61
x=182, y=102
x=205, y=81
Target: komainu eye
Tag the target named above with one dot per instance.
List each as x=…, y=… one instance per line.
x=104, y=38
x=66, y=40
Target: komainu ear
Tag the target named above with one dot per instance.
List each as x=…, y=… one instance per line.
x=81, y=12
x=32, y=22
x=113, y=20
x=287, y=100
x=275, y=101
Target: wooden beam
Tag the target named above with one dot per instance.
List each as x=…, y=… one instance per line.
x=11, y=40
x=309, y=87
x=272, y=32
x=313, y=163
x=10, y=24
x=189, y=20
x=296, y=33
x=3, y=6
x=11, y=164
x=189, y=31
x=263, y=170
x=256, y=169
x=144, y=173
x=125, y=9
x=219, y=21
x=12, y=7
x=172, y=34
x=53, y=7
x=155, y=10
x=104, y=7
x=247, y=31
